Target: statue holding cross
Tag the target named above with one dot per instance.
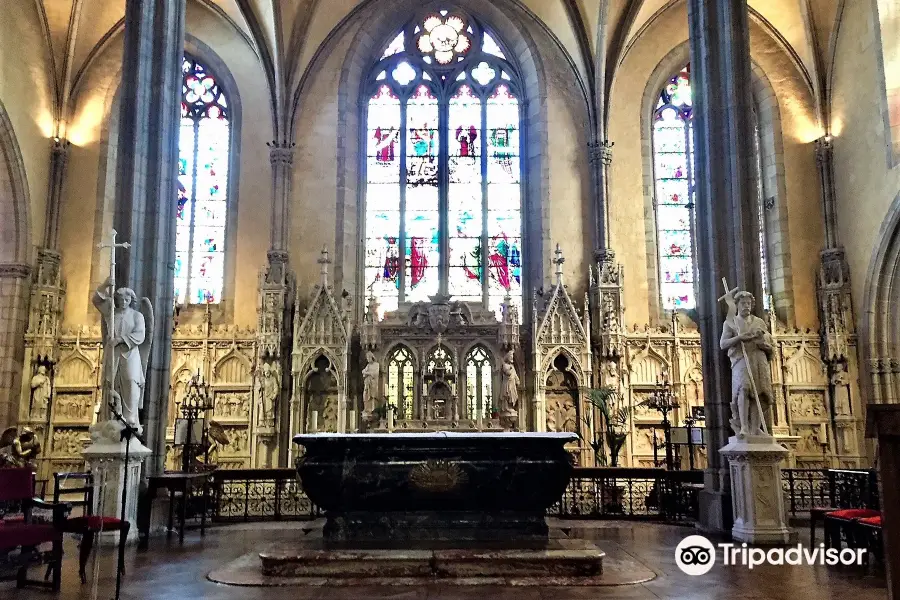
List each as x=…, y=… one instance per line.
x=749, y=346
x=127, y=334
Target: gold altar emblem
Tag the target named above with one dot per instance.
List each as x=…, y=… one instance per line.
x=437, y=476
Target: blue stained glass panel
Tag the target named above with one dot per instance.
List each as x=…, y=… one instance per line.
x=422, y=137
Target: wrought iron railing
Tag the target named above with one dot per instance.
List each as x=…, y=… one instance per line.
x=630, y=493
x=805, y=489
x=258, y=495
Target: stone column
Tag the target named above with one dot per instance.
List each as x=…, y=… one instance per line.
x=13, y=316
x=600, y=156
x=726, y=196
x=146, y=184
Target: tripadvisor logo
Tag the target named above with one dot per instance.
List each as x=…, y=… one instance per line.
x=696, y=555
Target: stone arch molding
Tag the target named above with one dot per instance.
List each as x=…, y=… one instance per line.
x=880, y=327
x=15, y=202
x=513, y=26
x=774, y=191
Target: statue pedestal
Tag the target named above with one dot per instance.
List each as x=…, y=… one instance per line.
x=106, y=461
x=756, y=496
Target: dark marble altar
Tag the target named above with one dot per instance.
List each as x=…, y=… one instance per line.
x=443, y=486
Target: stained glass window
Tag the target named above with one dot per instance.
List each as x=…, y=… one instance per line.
x=400, y=382
x=203, y=148
x=673, y=166
x=478, y=384
x=674, y=173
x=443, y=176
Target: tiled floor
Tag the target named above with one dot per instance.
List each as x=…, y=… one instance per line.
x=169, y=571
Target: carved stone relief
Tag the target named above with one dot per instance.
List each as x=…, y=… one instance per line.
x=808, y=405
x=74, y=407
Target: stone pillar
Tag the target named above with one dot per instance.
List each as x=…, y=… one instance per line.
x=281, y=157
x=146, y=184
x=726, y=209
x=600, y=156
x=14, y=282
x=757, y=499
x=59, y=160
x=883, y=424
x=109, y=464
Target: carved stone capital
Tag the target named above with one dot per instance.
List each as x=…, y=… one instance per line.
x=60, y=150
x=824, y=150
x=14, y=270
x=601, y=152
x=281, y=153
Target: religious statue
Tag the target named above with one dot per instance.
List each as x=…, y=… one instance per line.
x=126, y=348
x=840, y=379
x=509, y=386
x=268, y=387
x=370, y=374
x=749, y=346
x=40, y=394
x=19, y=451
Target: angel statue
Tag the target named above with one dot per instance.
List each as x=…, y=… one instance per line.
x=19, y=451
x=749, y=346
x=126, y=350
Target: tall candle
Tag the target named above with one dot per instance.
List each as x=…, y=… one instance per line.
x=352, y=422
x=479, y=418
x=314, y=422
x=390, y=417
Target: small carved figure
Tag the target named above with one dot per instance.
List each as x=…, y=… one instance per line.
x=19, y=451
x=40, y=393
x=509, y=386
x=370, y=374
x=749, y=346
x=840, y=381
x=269, y=386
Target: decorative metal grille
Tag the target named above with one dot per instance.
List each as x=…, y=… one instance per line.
x=259, y=495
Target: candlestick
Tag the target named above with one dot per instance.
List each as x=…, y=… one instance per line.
x=352, y=423
x=390, y=417
x=314, y=421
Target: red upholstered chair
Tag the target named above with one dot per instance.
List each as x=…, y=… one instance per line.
x=21, y=535
x=843, y=523
x=87, y=525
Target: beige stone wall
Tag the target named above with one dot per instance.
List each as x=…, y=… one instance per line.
x=865, y=180
x=628, y=180
x=25, y=88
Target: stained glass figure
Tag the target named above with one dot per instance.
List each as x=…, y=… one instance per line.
x=443, y=193
x=478, y=384
x=400, y=382
x=200, y=217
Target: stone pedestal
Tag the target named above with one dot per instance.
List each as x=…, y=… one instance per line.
x=106, y=460
x=756, y=496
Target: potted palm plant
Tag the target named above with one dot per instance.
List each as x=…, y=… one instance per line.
x=615, y=424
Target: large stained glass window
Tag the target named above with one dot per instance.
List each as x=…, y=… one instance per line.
x=673, y=166
x=203, y=147
x=443, y=176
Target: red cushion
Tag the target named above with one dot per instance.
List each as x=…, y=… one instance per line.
x=874, y=521
x=92, y=523
x=13, y=535
x=853, y=513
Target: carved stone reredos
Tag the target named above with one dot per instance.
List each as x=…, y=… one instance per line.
x=439, y=315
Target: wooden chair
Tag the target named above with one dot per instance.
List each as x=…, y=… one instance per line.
x=87, y=525
x=20, y=530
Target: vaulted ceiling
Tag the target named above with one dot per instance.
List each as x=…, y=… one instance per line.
x=284, y=34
